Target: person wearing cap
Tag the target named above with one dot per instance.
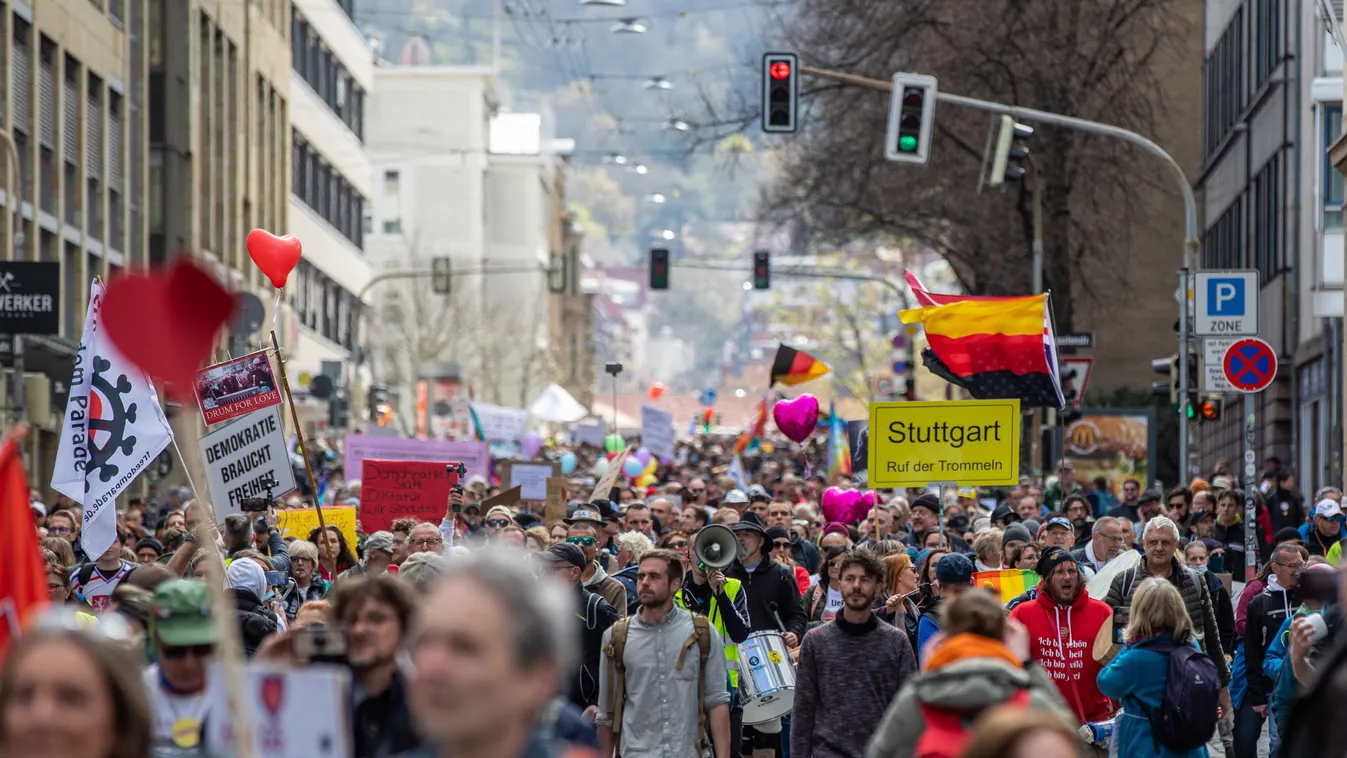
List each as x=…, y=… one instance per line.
x=497, y=518
x=1323, y=535
x=736, y=499
x=149, y=549
x=567, y=563
x=184, y=635
x=773, y=593
x=1058, y=532
x=378, y=549
x=1004, y=515
x=1201, y=523
x=953, y=577
x=926, y=519
x=1064, y=623
x=757, y=494
x=584, y=528
x=1056, y=493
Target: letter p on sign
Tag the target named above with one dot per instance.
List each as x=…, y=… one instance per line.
x=1226, y=296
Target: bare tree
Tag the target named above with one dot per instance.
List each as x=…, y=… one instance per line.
x=1095, y=59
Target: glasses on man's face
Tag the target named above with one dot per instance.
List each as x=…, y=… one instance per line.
x=430, y=542
x=55, y=587
x=178, y=653
x=1177, y=504
x=586, y=541
x=679, y=545
x=499, y=523
x=59, y=530
x=697, y=491
x=1292, y=566
x=781, y=545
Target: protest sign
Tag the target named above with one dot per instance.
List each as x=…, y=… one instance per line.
x=609, y=478
x=390, y=490
x=499, y=424
x=555, y=510
x=236, y=388
x=530, y=477
x=508, y=498
x=657, y=434
x=245, y=458
x=293, y=712
x=473, y=455
x=298, y=522
x=589, y=434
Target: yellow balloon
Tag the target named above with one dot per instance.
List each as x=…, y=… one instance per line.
x=651, y=466
x=645, y=480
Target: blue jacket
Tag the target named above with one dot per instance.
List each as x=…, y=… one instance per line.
x=1136, y=678
x=1285, y=687
x=1305, y=536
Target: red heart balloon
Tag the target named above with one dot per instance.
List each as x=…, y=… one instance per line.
x=275, y=256
x=166, y=322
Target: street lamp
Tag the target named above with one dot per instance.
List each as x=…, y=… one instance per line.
x=658, y=82
x=604, y=3
x=655, y=198
x=616, y=158
x=628, y=26
x=678, y=125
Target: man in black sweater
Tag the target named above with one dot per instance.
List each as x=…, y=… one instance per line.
x=567, y=563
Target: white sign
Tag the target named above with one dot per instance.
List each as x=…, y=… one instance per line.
x=1213, y=360
x=589, y=434
x=293, y=712
x=531, y=479
x=501, y=424
x=245, y=455
x=657, y=434
x=1227, y=304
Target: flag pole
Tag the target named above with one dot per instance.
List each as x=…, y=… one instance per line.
x=299, y=433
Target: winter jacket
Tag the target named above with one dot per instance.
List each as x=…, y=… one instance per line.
x=256, y=623
x=927, y=626
x=1251, y=591
x=292, y=597
x=801, y=579
x=1196, y=598
x=815, y=602
x=908, y=622
x=1266, y=614
x=1061, y=639
x=1317, y=543
x=968, y=674
x=806, y=553
x=1284, y=686
x=1225, y=612
x=1136, y=677
x=772, y=593
x=596, y=615
x=627, y=577
x=1285, y=508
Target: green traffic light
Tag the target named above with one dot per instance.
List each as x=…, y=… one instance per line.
x=907, y=143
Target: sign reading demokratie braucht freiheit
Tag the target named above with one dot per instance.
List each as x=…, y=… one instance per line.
x=968, y=442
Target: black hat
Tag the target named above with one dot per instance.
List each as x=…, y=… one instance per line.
x=958, y=522
x=526, y=520
x=151, y=543
x=1150, y=496
x=775, y=533
x=1196, y=516
x=1288, y=534
x=954, y=568
x=1050, y=560
x=750, y=522
x=563, y=552
x=1004, y=512
x=928, y=501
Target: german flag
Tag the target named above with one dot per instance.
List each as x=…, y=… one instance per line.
x=793, y=367
x=995, y=349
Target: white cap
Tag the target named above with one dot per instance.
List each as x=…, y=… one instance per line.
x=735, y=496
x=1327, y=508
x=39, y=507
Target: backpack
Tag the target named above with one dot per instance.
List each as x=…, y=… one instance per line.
x=1186, y=718
x=617, y=671
x=946, y=732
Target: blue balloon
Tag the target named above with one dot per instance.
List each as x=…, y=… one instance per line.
x=632, y=467
x=568, y=462
x=708, y=398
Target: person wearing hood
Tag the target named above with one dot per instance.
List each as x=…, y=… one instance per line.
x=982, y=662
x=1064, y=625
x=1322, y=535
x=247, y=587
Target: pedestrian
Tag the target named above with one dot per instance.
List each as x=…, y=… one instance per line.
x=1105, y=543
x=823, y=600
x=1008, y=732
x=1138, y=676
x=953, y=577
x=1284, y=684
x=838, y=704
x=567, y=563
x=1326, y=530
x=981, y=662
x=184, y=636
x=1266, y=613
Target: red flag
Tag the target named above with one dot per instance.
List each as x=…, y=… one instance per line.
x=23, y=583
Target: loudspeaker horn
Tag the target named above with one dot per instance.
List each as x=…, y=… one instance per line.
x=715, y=547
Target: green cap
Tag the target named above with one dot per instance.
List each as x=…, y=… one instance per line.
x=182, y=614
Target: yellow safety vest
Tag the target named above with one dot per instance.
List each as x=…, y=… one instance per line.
x=732, y=588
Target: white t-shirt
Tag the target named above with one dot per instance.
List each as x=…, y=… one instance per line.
x=97, y=592
x=177, y=720
x=833, y=604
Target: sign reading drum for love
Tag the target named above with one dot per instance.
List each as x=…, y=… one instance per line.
x=390, y=490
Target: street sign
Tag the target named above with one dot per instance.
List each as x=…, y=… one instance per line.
x=1213, y=364
x=1227, y=304
x=1078, y=339
x=1250, y=365
x=884, y=386
x=967, y=442
x=899, y=367
x=1075, y=375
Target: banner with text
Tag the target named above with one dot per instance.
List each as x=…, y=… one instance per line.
x=473, y=455
x=299, y=522
x=657, y=433
x=390, y=490
x=968, y=442
x=245, y=458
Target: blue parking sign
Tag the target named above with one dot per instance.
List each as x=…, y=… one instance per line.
x=1226, y=304
x=1225, y=296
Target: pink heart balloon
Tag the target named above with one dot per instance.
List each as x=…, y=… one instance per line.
x=796, y=418
x=841, y=505
x=868, y=499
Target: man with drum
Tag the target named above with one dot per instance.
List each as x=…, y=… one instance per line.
x=850, y=669
x=773, y=601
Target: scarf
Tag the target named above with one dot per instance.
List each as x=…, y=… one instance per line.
x=964, y=646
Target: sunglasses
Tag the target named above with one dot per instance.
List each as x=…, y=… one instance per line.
x=60, y=529
x=781, y=545
x=697, y=492
x=498, y=522
x=586, y=541
x=200, y=651
x=677, y=545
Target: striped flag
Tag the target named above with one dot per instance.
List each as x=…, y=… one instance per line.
x=1008, y=584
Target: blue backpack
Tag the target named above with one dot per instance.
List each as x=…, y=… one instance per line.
x=1186, y=718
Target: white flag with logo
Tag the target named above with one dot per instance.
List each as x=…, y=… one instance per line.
x=114, y=429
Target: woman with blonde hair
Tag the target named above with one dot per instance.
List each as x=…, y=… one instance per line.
x=1159, y=624
x=536, y=539
x=900, y=582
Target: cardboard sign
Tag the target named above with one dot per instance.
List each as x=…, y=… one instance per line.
x=293, y=712
x=509, y=498
x=299, y=522
x=555, y=510
x=243, y=458
x=390, y=490
x=531, y=478
x=473, y=455
x=609, y=477
x=236, y=388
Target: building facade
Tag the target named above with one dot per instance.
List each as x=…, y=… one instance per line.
x=74, y=79
x=1271, y=201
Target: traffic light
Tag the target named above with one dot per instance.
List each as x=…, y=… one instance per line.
x=1010, y=152
x=338, y=413
x=376, y=402
x=659, y=268
x=440, y=275
x=1208, y=409
x=911, y=118
x=910, y=389
x=762, y=270
x=1167, y=367
x=780, y=92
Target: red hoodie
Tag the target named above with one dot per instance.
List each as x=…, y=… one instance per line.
x=1061, y=639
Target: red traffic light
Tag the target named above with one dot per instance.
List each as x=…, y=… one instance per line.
x=779, y=70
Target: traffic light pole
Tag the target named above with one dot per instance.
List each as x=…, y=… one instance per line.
x=1190, y=242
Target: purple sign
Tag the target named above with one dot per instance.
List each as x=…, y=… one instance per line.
x=473, y=455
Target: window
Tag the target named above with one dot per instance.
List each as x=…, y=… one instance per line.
x=392, y=213
x=1266, y=30
x=326, y=191
x=325, y=75
x=1332, y=179
x=1266, y=214
x=1223, y=85
x=1223, y=245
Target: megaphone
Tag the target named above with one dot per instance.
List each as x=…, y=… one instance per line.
x=715, y=547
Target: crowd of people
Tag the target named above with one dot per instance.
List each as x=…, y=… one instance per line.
x=714, y=613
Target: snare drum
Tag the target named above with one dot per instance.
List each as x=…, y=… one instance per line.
x=767, y=677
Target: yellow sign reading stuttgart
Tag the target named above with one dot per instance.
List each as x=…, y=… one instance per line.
x=967, y=442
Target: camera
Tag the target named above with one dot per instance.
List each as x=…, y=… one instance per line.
x=321, y=643
x=613, y=367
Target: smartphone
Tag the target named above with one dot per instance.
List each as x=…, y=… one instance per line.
x=277, y=578
x=254, y=504
x=1319, y=585
x=321, y=643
